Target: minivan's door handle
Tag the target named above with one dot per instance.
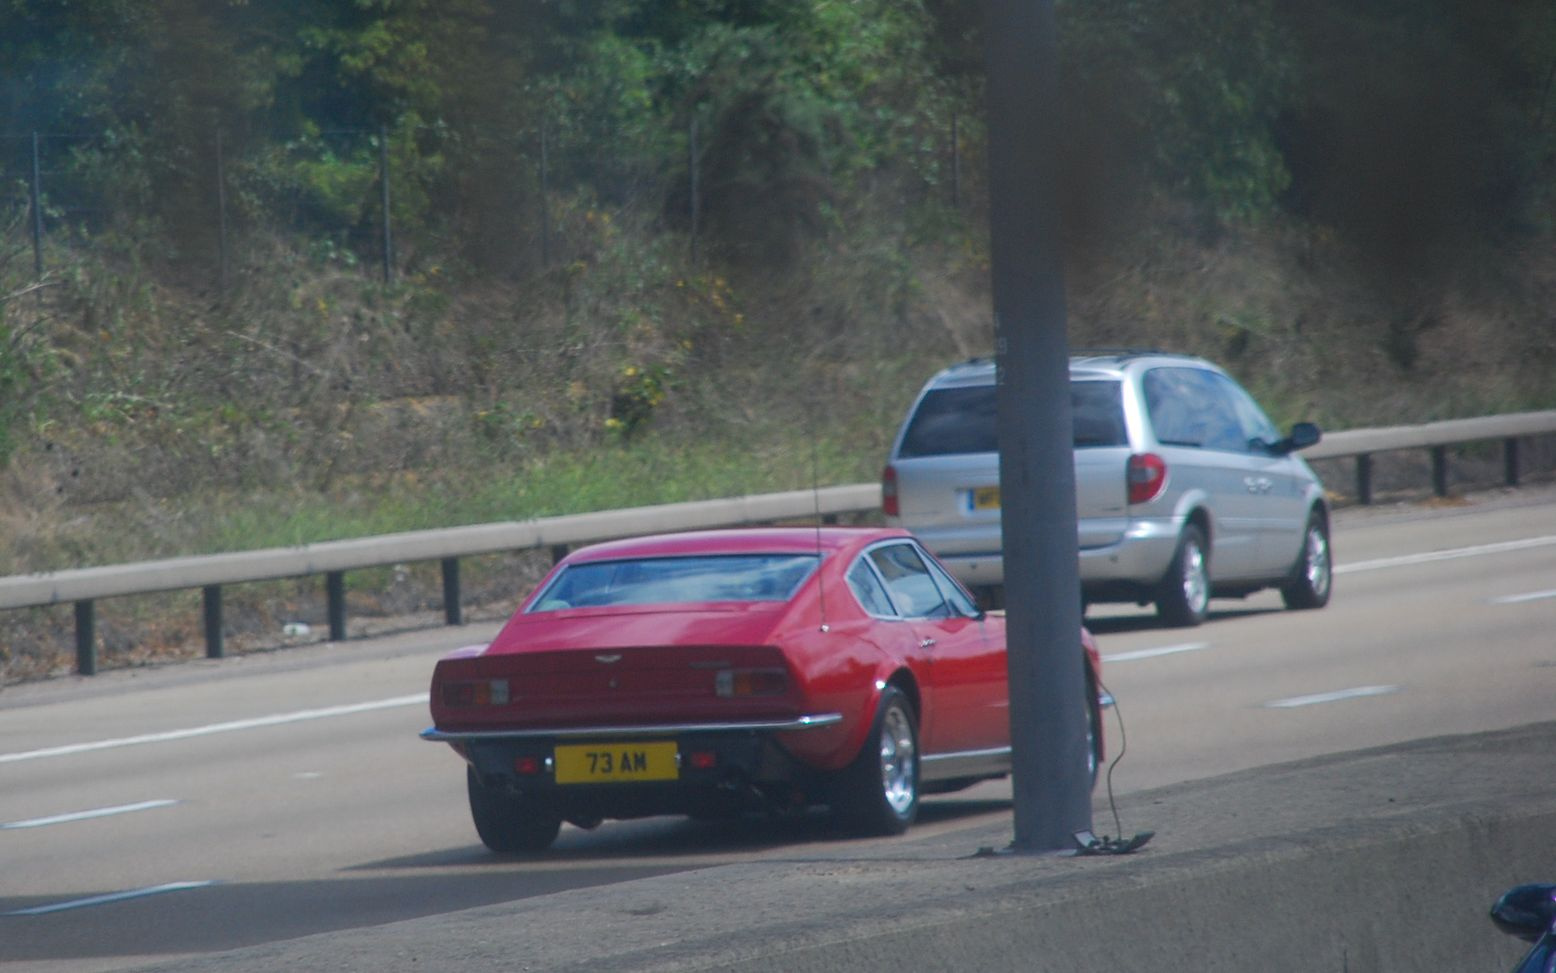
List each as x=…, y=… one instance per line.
x=1258, y=484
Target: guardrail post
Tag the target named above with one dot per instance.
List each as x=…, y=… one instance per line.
x=214, y=648
x=335, y=593
x=451, y=608
x=558, y=552
x=1364, y=478
x=1440, y=470
x=1510, y=461
x=86, y=638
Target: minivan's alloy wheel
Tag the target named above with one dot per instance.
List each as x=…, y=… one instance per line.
x=1185, y=594
x=879, y=791
x=1313, y=575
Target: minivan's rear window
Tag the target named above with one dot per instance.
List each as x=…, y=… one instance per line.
x=963, y=420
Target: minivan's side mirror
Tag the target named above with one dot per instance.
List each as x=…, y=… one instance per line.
x=1303, y=435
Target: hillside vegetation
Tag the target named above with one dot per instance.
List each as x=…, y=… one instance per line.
x=644, y=253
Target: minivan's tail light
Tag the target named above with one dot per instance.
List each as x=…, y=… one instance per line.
x=1147, y=477
x=889, y=505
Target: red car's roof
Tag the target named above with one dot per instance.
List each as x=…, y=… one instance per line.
x=747, y=540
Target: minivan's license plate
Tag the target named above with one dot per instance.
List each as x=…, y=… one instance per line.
x=605, y=763
x=985, y=498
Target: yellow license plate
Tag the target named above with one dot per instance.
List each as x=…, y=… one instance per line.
x=986, y=498
x=606, y=763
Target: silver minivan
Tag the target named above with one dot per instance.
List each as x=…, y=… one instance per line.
x=1184, y=489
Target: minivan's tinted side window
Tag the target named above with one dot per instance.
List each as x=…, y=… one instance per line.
x=1257, y=428
x=1098, y=413
x=964, y=420
x=1193, y=407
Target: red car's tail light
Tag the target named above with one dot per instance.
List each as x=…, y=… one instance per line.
x=527, y=765
x=732, y=683
x=1147, y=477
x=889, y=505
x=485, y=692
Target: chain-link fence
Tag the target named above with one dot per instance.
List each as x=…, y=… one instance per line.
x=71, y=188
x=341, y=188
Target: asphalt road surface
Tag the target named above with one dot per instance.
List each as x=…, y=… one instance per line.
x=212, y=805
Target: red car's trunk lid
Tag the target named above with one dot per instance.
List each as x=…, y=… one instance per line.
x=613, y=668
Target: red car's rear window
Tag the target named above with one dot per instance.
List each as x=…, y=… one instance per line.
x=677, y=580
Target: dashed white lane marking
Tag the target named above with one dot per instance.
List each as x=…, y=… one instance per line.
x=1153, y=653
x=1334, y=697
x=1528, y=596
x=101, y=812
x=210, y=728
x=39, y=910
x=1478, y=550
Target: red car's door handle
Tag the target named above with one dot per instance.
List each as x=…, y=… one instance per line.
x=926, y=643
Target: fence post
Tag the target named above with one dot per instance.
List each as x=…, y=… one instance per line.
x=383, y=194
x=692, y=152
x=956, y=161
x=37, y=209
x=221, y=215
x=545, y=195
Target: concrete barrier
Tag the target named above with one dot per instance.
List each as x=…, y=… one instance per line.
x=1377, y=860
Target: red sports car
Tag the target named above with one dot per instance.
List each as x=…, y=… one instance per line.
x=704, y=673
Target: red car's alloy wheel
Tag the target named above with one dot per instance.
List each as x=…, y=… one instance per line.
x=879, y=791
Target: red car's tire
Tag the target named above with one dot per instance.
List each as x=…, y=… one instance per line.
x=878, y=793
x=1093, y=732
x=509, y=824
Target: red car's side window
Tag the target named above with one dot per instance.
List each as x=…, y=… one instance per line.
x=867, y=587
x=912, y=589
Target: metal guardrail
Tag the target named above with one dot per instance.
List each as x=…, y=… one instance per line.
x=84, y=586
x=1436, y=437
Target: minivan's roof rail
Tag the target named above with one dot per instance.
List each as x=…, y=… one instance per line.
x=978, y=360
x=1121, y=352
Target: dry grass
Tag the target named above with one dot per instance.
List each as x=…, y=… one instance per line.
x=312, y=402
